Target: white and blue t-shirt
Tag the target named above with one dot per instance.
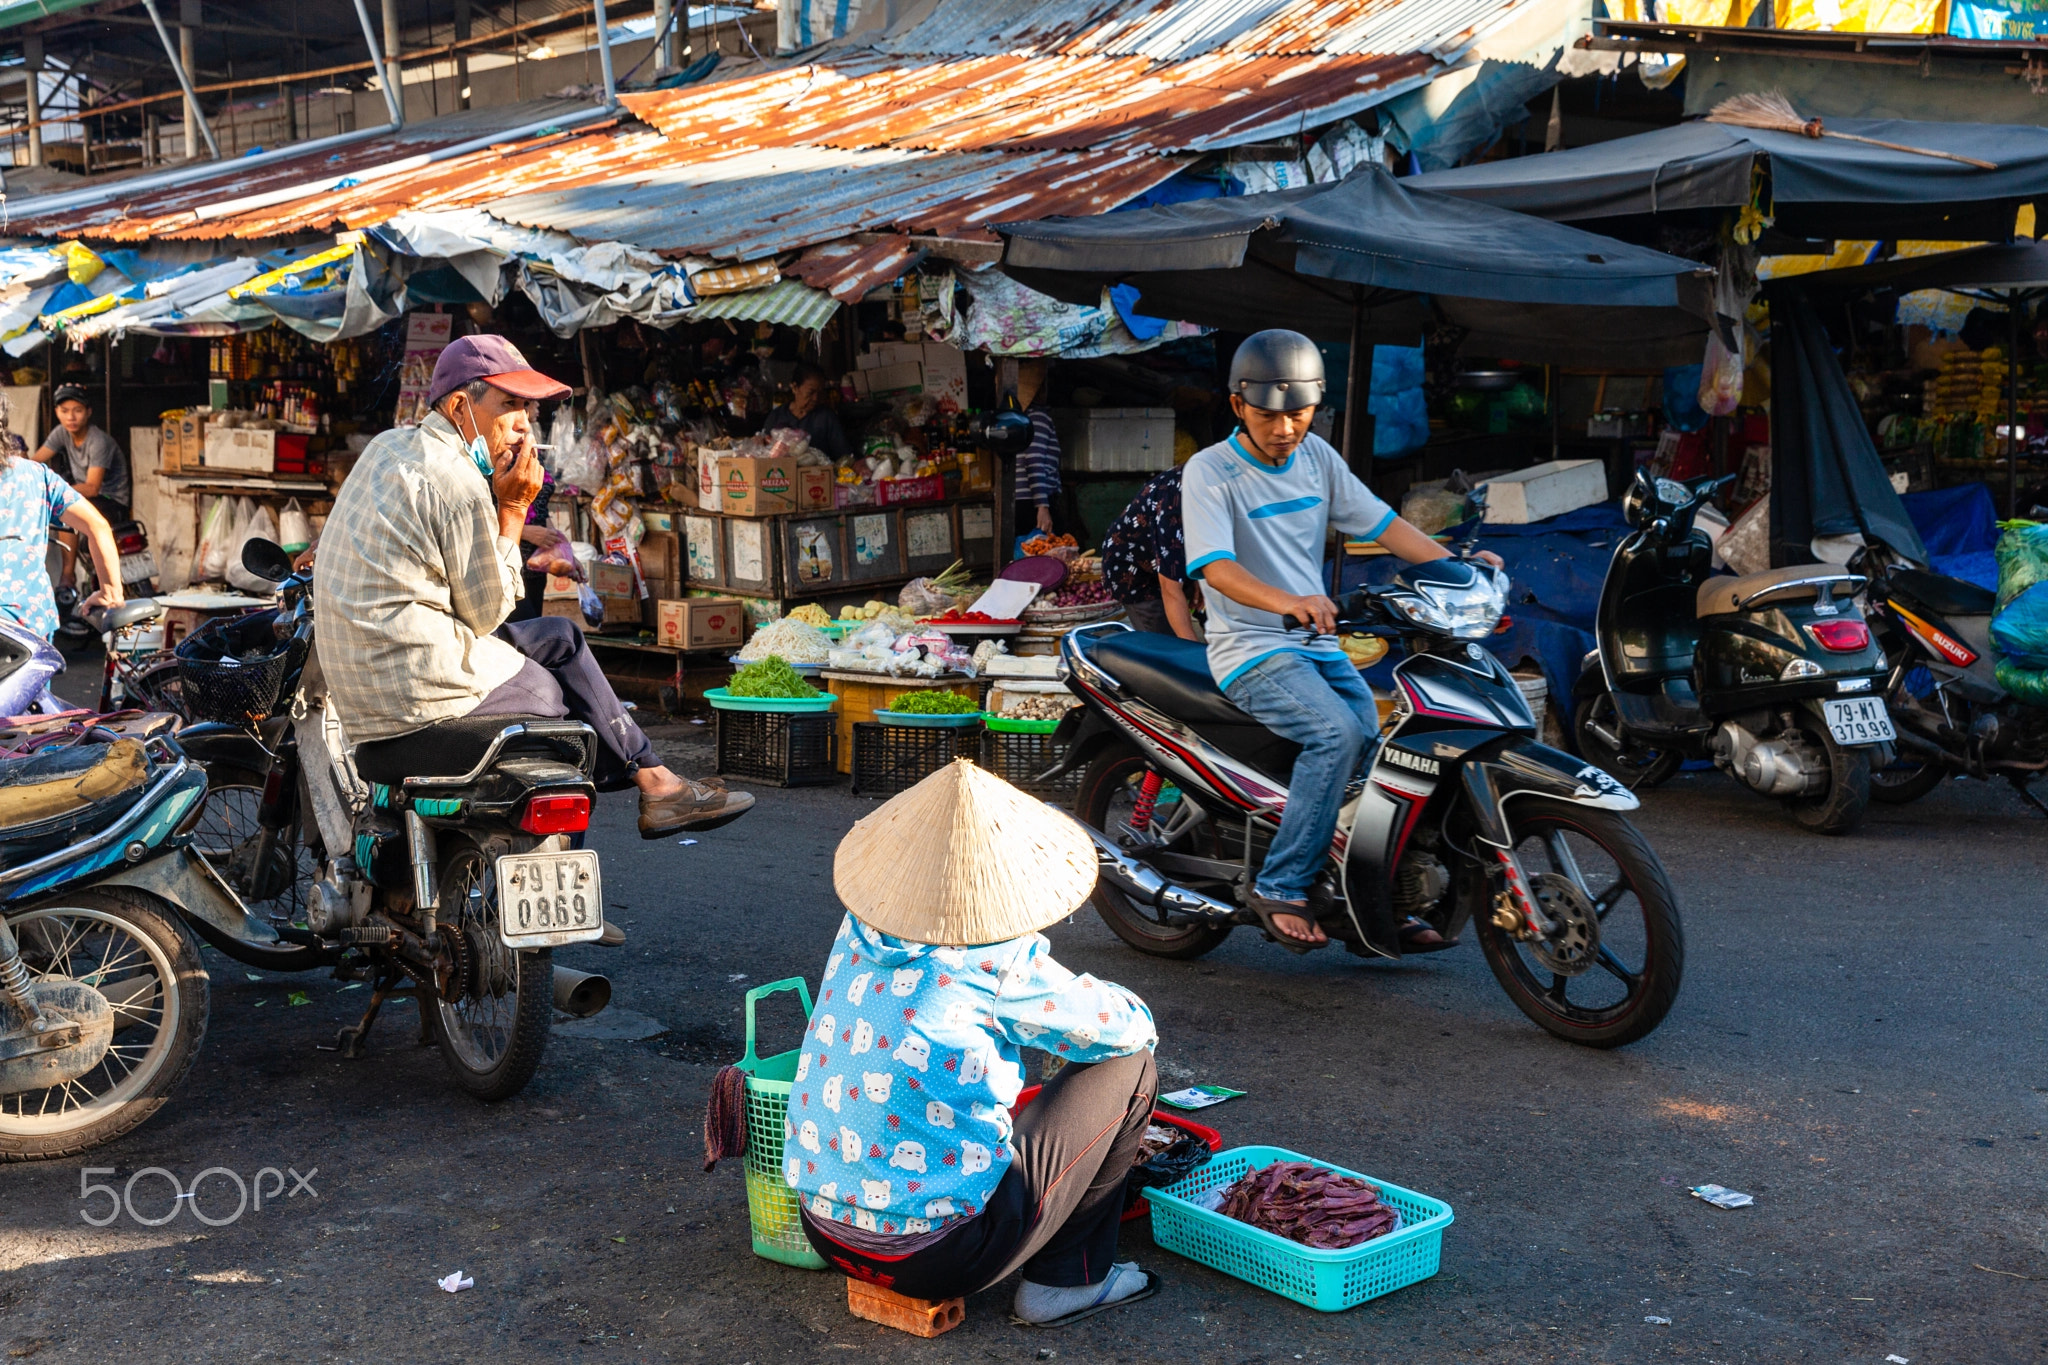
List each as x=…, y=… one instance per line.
x=899, y=1120
x=1272, y=519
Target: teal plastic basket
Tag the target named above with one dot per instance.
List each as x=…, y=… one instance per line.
x=1329, y=1281
x=771, y=1203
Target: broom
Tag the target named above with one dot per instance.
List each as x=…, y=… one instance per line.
x=1775, y=113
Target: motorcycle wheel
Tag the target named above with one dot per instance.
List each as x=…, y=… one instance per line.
x=1904, y=781
x=224, y=830
x=1603, y=868
x=158, y=686
x=133, y=949
x=1107, y=792
x=1838, y=810
x=494, y=1035
x=1636, y=767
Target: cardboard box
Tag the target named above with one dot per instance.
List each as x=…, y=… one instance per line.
x=1545, y=490
x=169, y=448
x=560, y=589
x=614, y=580
x=192, y=439
x=707, y=478
x=814, y=489
x=756, y=486
x=701, y=622
x=243, y=448
x=563, y=606
x=621, y=613
x=658, y=521
x=661, y=563
x=977, y=473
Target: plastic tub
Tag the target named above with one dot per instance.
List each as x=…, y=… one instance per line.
x=958, y=720
x=1004, y=725
x=1329, y=1281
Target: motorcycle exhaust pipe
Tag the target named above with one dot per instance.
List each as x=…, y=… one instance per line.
x=581, y=994
x=1147, y=887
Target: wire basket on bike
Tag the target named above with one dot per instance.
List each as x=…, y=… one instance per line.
x=233, y=671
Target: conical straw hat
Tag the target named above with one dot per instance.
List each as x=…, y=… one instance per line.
x=961, y=859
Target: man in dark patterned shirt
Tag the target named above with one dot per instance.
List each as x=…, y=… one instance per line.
x=1145, y=563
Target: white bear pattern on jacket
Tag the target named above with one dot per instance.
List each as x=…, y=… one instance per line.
x=927, y=1041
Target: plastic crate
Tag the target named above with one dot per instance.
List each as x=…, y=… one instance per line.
x=888, y=759
x=1019, y=759
x=771, y=1203
x=780, y=748
x=1329, y=1281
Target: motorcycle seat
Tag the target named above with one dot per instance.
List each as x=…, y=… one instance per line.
x=1942, y=594
x=1167, y=671
x=449, y=748
x=1719, y=596
x=75, y=785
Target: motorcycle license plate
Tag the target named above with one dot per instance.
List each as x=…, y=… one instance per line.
x=548, y=899
x=1859, y=720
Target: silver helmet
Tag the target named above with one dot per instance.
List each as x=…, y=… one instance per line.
x=1278, y=370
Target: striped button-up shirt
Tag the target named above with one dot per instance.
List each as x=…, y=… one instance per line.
x=1038, y=468
x=413, y=578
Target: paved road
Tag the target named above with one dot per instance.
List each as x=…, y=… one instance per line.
x=1858, y=1045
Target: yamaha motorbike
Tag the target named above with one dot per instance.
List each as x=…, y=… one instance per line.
x=1462, y=817
x=1771, y=675
x=1955, y=717
x=438, y=867
x=103, y=997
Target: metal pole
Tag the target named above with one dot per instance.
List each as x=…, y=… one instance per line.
x=462, y=54
x=181, y=60
x=604, y=54
x=2012, y=406
x=663, y=44
x=392, y=73
x=1358, y=429
x=32, y=58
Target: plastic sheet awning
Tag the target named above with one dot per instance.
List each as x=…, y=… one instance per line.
x=1819, y=187
x=1372, y=249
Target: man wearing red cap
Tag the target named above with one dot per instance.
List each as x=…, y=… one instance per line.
x=420, y=567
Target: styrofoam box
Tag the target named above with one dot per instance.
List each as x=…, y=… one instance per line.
x=1116, y=440
x=1545, y=490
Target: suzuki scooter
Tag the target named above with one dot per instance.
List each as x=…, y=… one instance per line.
x=1774, y=676
x=1463, y=818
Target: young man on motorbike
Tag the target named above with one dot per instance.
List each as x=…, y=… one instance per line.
x=420, y=565
x=1257, y=509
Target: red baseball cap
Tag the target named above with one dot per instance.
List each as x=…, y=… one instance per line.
x=497, y=362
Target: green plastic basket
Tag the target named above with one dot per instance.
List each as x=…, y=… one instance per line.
x=929, y=720
x=771, y=1203
x=1329, y=1281
x=722, y=700
x=1010, y=725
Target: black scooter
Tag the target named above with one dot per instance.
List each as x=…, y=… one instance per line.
x=1774, y=675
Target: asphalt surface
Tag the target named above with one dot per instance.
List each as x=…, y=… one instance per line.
x=1857, y=1045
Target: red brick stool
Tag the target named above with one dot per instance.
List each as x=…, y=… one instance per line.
x=919, y=1317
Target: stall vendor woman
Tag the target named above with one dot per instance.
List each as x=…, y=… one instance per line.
x=911, y=1170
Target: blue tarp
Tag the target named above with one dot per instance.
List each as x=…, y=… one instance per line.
x=1959, y=527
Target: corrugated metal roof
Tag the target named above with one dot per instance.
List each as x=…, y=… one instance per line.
x=789, y=302
x=848, y=270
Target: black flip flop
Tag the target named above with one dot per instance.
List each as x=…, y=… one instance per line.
x=1151, y=1288
x=1266, y=909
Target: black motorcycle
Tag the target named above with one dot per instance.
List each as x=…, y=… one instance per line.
x=1771, y=675
x=1955, y=717
x=438, y=867
x=1462, y=818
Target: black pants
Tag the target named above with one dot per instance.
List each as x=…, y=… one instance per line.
x=1149, y=615
x=1055, y=1214
x=562, y=679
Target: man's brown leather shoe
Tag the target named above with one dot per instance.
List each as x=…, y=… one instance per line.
x=696, y=806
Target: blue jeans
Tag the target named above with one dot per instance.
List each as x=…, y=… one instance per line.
x=1324, y=706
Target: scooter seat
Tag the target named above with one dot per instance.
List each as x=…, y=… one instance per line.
x=79, y=782
x=1719, y=596
x=449, y=748
x=1942, y=594
x=1167, y=671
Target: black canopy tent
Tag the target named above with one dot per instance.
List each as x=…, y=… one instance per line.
x=1367, y=260
x=2009, y=274
x=1817, y=187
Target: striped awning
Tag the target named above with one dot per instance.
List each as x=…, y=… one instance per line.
x=789, y=302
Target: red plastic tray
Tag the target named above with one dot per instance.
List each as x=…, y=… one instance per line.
x=1200, y=1130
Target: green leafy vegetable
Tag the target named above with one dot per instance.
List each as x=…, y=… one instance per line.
x=933, y=704
x=771, y=677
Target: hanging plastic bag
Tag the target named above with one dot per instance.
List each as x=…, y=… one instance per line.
x=215, y=524
x=261, y=525
x=2020, y=629
x=294, y=527
x=2022, y=561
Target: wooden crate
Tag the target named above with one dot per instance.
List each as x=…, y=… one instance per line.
x=862, y=694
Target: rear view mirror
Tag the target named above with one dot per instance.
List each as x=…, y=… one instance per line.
x=266, y=559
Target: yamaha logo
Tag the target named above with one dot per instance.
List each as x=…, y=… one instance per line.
x=1401, y=758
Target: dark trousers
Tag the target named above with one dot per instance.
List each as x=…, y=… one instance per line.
x=562, y=679
x=1055, y=1214
x=1149, y=615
